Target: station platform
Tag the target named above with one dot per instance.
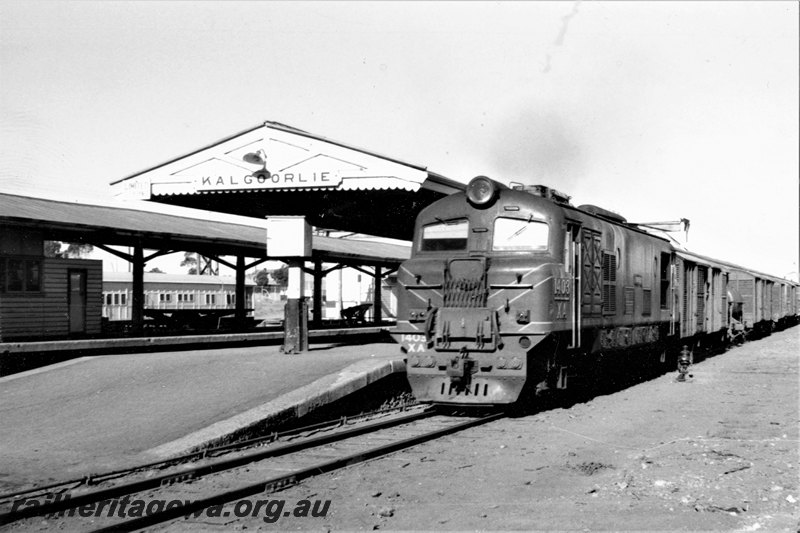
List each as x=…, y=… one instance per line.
x=101, y=413
x=18, y=356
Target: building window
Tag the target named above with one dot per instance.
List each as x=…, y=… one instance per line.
x=123, y=298
x=20, y=275
x=16, y=275
x=32, y=275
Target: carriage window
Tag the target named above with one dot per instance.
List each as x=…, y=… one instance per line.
x=445, y=236
x=514, y=234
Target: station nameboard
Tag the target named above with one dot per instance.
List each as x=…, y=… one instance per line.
x=269, y=180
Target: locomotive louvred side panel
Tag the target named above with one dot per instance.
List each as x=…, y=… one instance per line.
x=609, y=283
x=629, y=301
x=592, y=278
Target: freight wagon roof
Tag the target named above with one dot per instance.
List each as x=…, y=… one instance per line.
x=167, y=227
x=725, y=265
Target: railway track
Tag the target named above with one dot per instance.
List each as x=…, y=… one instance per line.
x=261, y=471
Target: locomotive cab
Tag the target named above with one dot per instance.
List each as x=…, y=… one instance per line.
x=479, y=294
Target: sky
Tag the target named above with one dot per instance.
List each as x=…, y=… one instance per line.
x=655, y=110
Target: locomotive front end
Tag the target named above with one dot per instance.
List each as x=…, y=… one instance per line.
x=476, y=298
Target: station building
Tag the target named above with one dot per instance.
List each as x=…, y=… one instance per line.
x=274, y=170
x=224, y=193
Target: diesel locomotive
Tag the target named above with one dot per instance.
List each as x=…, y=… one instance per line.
x=514, y=288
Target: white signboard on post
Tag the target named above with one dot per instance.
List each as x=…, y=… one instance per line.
x=288, y=236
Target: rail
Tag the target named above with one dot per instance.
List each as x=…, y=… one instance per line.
x=59, y=505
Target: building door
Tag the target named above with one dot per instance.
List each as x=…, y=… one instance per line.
x=77, y=301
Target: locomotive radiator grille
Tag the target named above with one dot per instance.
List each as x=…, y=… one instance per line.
x=465, y=283
x=464, y=292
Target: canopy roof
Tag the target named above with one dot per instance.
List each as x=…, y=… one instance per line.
x=177, y=279
x=274, y=169
x=123, y=224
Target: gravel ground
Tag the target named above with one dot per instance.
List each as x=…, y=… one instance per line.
x=719, y=452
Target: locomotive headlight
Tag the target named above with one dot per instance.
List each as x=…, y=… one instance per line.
x=417, y=315
x=429, y=362
x=481, y=190
x=413, y=360
x=501, y=362
x=516, y=363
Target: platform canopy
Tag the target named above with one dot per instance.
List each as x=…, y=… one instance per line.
x=167, y=228
x=274, y=169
